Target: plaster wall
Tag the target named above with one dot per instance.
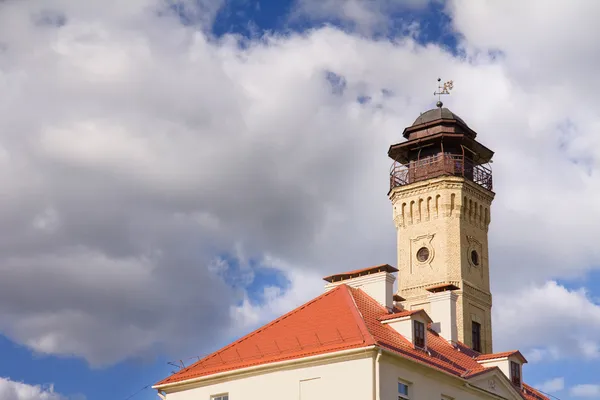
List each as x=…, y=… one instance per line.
x=346, y=378
x=423, y=382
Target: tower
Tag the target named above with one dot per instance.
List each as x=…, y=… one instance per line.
x=441, y=193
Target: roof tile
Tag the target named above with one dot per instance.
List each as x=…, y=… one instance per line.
x=342, y=318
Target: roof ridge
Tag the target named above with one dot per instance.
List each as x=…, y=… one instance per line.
x=258, y=330
x=360, y=318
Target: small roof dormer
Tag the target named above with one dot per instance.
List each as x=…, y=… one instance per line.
x=509, y=362
x=412, y=324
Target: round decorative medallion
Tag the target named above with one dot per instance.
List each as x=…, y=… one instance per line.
x=423, y=254
x=475, y=257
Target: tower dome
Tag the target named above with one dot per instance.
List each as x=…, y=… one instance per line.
x=437, y=114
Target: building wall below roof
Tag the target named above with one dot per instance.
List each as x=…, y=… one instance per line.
x=426, y=383
x=348, y=379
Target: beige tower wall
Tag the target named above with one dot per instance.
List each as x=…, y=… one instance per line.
x=449, y=216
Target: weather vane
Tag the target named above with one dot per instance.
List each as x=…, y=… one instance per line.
x=443, y=89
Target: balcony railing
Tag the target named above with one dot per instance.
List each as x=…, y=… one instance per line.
x=440, y=165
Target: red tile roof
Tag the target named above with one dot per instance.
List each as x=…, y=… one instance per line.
x=530, y=393
x=342, y=318
x=483, y=357
x=403, y=313
x=328, y=323
x=364, y=271
x=442, y=287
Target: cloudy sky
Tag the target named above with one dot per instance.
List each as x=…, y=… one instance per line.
x=177, y=172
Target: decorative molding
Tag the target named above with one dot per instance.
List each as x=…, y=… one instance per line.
x=477, y=294
x=477, y=192
x=419, y=290
x=415, y=244
x=443, y=183
x=475, y=245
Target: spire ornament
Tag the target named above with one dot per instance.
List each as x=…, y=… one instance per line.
x=443, y=89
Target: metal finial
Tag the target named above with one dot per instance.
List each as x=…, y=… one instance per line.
x=443, y=89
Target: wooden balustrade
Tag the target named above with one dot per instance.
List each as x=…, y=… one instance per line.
x=440, y=165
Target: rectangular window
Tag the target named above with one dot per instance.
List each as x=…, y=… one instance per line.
x=402, y=391
x=476, y=336
x=419, y=334
x=220, y=397
x=515, y=373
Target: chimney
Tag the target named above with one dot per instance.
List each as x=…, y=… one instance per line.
x=442, y=310
x=377, y=282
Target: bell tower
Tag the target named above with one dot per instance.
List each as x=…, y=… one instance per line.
x=441, y=193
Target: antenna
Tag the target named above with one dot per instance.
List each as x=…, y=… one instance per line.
x=443, y=89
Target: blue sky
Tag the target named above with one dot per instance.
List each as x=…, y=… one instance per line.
x=195, y=174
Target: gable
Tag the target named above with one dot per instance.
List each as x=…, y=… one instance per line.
x=494, y=381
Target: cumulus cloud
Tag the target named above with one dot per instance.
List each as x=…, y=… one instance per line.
x=366, y=16
x=552, y=385
x=136, y=149
x=544, y=316
x=585, y=390
x=11, y=390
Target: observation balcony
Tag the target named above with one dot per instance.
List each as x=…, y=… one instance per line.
x=440, y=165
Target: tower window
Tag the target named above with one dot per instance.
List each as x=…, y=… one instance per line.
x=419, y=334
x=476, y=336
x=474, y=257
x=423, y=254
x=515, y=373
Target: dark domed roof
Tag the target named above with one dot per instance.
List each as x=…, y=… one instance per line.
x=435, y=114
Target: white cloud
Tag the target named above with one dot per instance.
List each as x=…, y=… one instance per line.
x=552, y=385
x=11, y=390
x=550, y=321
x=133, y=150
x=585, y=390
x=364, y=15
x=274, y=302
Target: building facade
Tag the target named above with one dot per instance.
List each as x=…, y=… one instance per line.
x=432, y=339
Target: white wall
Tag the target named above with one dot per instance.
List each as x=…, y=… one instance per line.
x=424, y=382
x=443, y=311
x=348, y=380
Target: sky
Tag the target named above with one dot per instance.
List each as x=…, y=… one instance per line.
x=178, y=172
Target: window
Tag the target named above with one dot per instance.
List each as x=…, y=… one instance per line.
x=474, y=257
x=419, y=333
x=515, y=373
x=423, y=254
x=402, y=391
x=476, y=336
x=220, y=397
